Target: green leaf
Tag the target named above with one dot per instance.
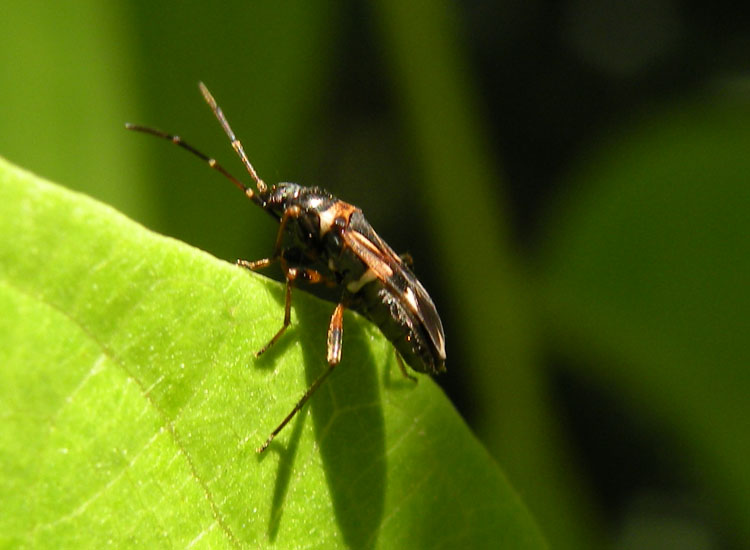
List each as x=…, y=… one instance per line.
x=131, y=405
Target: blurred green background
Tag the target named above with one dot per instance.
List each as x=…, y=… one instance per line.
x=571, y=180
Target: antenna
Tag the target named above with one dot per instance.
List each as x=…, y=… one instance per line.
x=177, y=140
x=236, y=145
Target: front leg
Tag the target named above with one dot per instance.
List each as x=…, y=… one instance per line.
x=255, y=266
x=291, y=274
x=289, y=213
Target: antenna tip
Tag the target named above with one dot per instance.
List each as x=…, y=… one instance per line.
x=206, y=94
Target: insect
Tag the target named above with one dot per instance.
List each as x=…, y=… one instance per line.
x=323, y=240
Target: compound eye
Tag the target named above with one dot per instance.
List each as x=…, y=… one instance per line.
x=340, y=223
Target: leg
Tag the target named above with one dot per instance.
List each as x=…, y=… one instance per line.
x=335, y=333
x=291, y=212
x=255, y=266
x=277, y=252
x=287, y=315
x=402, y=368
x=292, y=274
x=311, y=390
x=407, y=259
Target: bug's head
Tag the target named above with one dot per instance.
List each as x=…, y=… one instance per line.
x=280, y=196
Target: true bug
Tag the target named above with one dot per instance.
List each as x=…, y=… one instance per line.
x=322, y=239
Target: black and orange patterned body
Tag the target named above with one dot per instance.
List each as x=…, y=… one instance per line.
x=323, y=240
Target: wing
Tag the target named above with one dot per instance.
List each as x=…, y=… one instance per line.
x=388, y=267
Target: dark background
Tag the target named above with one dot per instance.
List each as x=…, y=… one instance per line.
x=571, y=179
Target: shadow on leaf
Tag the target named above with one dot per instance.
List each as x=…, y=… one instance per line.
x=286, y=466
x=350, y=430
